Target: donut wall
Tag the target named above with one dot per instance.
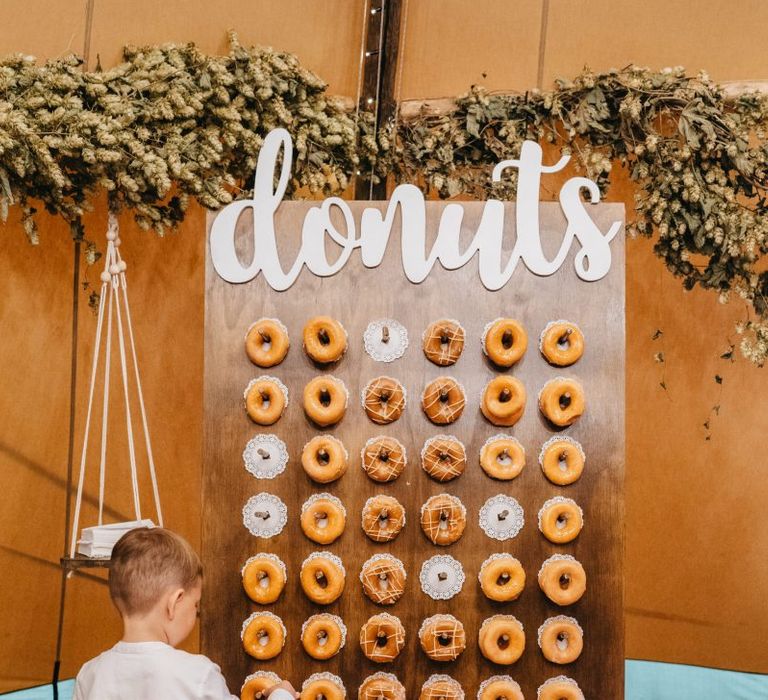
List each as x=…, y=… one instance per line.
x=411, y=485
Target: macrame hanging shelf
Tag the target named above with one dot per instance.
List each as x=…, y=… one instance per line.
x=113, y=324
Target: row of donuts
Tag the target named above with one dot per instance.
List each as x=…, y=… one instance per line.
x=326, y=398
x=504, y=341
x=443, y=518
x=443, y=457
x=386, y=686
x=442, y=637
x=502, y=579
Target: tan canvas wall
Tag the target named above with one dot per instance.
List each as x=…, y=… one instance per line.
x=695, y=575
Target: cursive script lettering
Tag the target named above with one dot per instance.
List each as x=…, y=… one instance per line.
x=591, y=262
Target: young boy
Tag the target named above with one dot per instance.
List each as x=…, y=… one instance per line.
x=155, y=583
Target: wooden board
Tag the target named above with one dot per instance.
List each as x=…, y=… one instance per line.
x=357, y=295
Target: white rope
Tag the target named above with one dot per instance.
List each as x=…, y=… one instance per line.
x=105, y=407
x=147, y=441
x=128, y=424
x=95, y=364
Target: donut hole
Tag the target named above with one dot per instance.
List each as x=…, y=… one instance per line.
x=321, y=520
x=564, y=341
x=266, y=399
x=320, y=696
x=384, y=397
x=323, y=337
x=564, y=400
x=383, y=581
x=323, y=457
x=503, y=458
x=263, y=580
x=444, y=639
x=324, y=397
x=562, y=521
x=263, y=638
x=562, y=641
x=322, y=638
x=322, y=579
x=383, y=455
x=442, y=523
x=505, y=395
x=507, y=340
x=381, y=639
x=562, y=462
x=503, y=579
x=502, y=641
x=444, y=395
x=564, y=581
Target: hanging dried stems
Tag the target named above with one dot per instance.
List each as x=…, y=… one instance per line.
x=172, y=123
x=698, y=160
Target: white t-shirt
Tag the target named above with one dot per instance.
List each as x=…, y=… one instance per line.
x=152, y=671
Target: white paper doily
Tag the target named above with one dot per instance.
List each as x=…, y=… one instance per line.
x=267, y=378
x=328, y=616
x=561, y=438
x=559, y=679
x=556, y=500
x=444, y=678
x=441, y=577
x=495, y=679
x=393, y=348
x=325, y=555
x=325, y=676
x=265, y=456
x=501, y=517
x=270, y=675
x=270, y=615
x=263, y=555
x=554, y=620
x=265, y=515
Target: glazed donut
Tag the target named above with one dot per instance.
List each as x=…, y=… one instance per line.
x=561, y=520
x=441, y=687
x=323, y=518
x=383, y=518
x=325, y=400
x=383, y=578
x=502, y=639
x=502, y=457
x=499, y=688
x=443, y=400
x=254, y=685
x=561, y=639
x=504, y=341
x=383, y=400
x=383, y=458
x=562, y=579
x=322, y=577
x=382, y=638
x=266, y=342
x=442, y=637
x=562, y=401
x=443, y=519
x=263, y=635
x=561, y=343
x=381, y=686
x=323, y=636
x=560, y=688
x=264, y=578
x=503, y=401
x=324, y=459
x=562, y=460
x=265, y=400
x=325, y=339
x=323, y=686
x=443, y=342
x=443, y=457
x=502, y=578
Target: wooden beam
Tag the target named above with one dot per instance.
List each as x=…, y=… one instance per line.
x=382, y=47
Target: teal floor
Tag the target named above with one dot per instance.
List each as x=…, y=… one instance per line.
x=645, y=680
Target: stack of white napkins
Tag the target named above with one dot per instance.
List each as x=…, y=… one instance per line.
x=98, y=541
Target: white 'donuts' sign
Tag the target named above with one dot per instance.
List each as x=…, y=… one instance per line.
x=592, y=260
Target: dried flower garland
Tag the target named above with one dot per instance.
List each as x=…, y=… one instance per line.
x=172, y=123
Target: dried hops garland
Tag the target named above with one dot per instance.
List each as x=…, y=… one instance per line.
x=172, y=123
x=699, y=162
x=167, y=124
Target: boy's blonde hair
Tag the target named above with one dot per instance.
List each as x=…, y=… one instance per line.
x=146, y=562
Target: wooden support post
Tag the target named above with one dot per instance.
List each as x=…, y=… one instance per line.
x=380, y=60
